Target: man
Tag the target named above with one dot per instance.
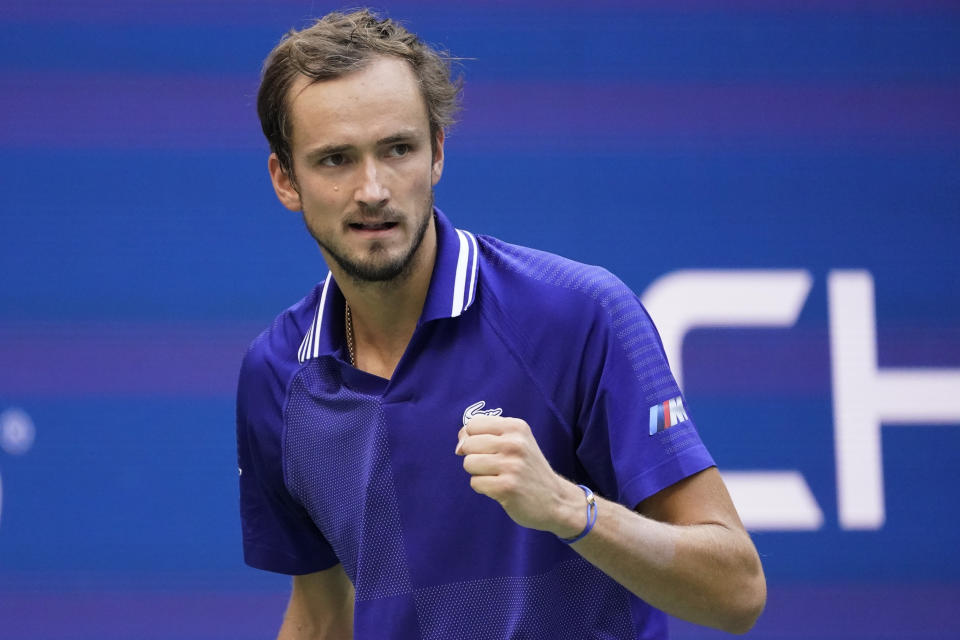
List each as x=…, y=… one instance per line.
x=412, y=434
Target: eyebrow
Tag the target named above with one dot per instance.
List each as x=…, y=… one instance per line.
x=331, y=149
x=403, y=136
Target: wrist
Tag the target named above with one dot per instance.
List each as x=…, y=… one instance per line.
x=571, y=514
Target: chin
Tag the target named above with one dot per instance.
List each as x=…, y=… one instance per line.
x=380, y=269
x=382, y=260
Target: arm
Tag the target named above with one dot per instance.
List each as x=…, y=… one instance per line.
x=321, y=607
x=685, y=552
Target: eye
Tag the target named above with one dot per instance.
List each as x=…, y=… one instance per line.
x=400, y=150
x=333, y=160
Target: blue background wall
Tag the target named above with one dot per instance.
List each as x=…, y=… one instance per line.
x=141, y=248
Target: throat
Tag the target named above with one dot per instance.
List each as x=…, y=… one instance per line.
x=376, y=358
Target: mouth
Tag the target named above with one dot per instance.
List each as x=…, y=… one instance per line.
x=372, y=226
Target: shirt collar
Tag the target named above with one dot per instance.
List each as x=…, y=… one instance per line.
x=453, y=287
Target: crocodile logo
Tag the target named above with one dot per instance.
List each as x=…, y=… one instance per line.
x=476, y=409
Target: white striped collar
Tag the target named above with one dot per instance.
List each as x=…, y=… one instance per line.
x=452, y=291
x=310, y=345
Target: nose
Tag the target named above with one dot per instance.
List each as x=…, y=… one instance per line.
x=371, y=191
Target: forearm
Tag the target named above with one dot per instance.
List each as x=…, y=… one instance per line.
x=705, y=573
x=320, y=607
x=702, y=567
x=296, y=627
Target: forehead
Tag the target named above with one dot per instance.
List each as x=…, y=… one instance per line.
x=369, y=104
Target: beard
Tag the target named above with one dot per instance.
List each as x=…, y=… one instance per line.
x=376, y=266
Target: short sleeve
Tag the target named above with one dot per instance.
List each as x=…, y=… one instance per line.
x=278, y=534
x=637, y=435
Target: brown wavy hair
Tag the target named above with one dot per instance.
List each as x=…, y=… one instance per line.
x=341, y=43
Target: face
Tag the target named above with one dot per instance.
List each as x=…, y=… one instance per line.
x=364, y=168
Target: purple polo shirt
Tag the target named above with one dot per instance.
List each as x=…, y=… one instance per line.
x=338, y=465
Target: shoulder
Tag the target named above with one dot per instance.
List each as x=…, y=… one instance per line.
x=569, y=318
x=541, y=287
x=272, y=358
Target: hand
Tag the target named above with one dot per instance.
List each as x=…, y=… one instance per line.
x=506, y=464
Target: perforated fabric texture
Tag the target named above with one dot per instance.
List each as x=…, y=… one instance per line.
x=338, y=468
x=634, y=330
x=574, y=600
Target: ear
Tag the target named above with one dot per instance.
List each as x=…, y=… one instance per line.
x=282, y=184
x=438, y=158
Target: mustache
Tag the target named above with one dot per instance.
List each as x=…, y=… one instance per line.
x=378, y=216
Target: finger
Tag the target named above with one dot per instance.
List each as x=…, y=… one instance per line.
x=485, y=424
x=482, y=464
x=486, y=485
x=482, y=443
x=461, y=436
x=476, y=425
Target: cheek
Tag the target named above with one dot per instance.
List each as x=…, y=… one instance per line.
x=326, y=200
x=423, y=181
x=426, y=185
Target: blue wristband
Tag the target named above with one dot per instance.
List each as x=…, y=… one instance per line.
x=591, y=515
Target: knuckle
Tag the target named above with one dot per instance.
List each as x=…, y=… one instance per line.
x=512, y=445
x=516, y=444
x=517, y=425
x=514, y=467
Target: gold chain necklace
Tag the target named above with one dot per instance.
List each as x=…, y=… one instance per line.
x=348, y=324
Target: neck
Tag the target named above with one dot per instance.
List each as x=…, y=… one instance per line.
x=385, y=314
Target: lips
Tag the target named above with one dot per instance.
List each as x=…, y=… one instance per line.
x=372, y=226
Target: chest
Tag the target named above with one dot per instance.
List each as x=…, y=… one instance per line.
x=374, y=464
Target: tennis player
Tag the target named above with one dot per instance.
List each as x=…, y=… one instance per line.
x=451, y=436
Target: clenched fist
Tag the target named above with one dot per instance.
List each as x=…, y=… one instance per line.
x=506, y=464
